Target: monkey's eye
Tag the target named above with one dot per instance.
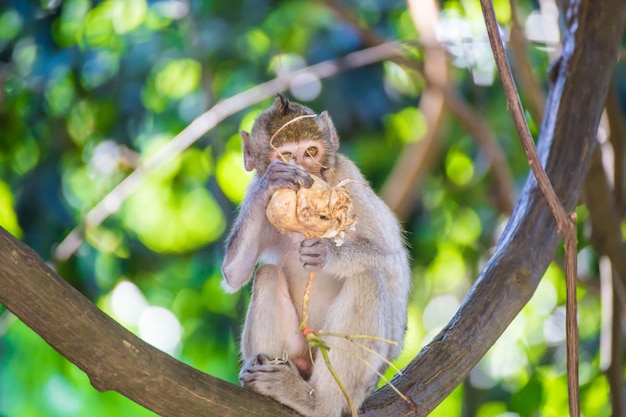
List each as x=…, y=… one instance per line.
x=311, y=152
x=287, y=155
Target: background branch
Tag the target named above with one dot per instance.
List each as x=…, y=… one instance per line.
x=404, y=180
x=112, y=202
x=418, y=157
x=606, y=238
x=523, y=70
x=617, y=137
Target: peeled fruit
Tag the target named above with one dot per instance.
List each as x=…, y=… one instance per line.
x=319, y=211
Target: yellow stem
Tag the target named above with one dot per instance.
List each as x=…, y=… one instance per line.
x=334, y=374
x=305, y=301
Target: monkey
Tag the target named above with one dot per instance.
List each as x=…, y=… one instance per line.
x=360, y=287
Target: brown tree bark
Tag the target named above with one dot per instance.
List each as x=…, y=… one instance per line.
x=116, y=359
x=112, y=357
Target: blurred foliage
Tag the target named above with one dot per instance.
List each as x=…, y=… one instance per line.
x=89, y=88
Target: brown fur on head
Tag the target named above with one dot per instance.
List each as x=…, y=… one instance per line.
x=257, y=147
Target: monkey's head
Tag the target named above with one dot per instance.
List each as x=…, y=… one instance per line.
x=294, y=131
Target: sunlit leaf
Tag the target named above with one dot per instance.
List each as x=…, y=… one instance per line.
x=98, y=28
x=459, y=167
x=406, y=27
x=127, y=14
x=215, y=299
x=24, y=56
x=10, y=24
x=447, y=270
x=8, y=218
x=408, y=125
x=169, y=220
x=593, y=399
x=231, y=175
x=466, y=227
x=26, y=156
x=400, y=79
x=60, y=95
x=178, y=78
x=81, y=122
x=451, y=406
x=257, y=41
x=107, y=241
x=492, y=409
x=155, y=20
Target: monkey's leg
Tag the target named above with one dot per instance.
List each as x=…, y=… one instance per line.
x=272, y=331
x=361, y=308
x=272, y=324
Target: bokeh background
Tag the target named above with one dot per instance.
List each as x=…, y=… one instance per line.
x=92, y=88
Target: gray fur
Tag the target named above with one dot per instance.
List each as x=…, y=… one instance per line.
x=360, y=288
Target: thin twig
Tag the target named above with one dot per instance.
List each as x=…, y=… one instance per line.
x=338, y=380
x=566, y=224
x=304, y=325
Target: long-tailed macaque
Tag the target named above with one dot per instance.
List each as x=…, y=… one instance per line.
x=360, y=287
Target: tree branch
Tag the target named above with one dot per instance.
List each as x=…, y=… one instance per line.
x=112, y=357
x=606, y=238
x=418, y=158
x=617, y=137
x=527, y=246
x=566, y=224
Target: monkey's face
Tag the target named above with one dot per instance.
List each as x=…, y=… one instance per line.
x=307, y=153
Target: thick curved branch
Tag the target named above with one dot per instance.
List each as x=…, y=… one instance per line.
x=566, y=224
x=112, y=357
x=509, y=279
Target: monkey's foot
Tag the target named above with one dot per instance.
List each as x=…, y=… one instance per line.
x=278, y=379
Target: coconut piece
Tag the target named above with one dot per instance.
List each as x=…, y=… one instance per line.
x=319, y=211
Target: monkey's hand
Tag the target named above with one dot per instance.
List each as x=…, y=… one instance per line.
x=315, y=253
x=280, y=380
x=280, y=174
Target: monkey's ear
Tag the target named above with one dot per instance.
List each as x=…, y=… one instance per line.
x=281, y=103
x=248, y=161
x=334, y=138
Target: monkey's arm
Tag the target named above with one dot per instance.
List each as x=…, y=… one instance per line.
x=243, y=246
x=252, y=233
